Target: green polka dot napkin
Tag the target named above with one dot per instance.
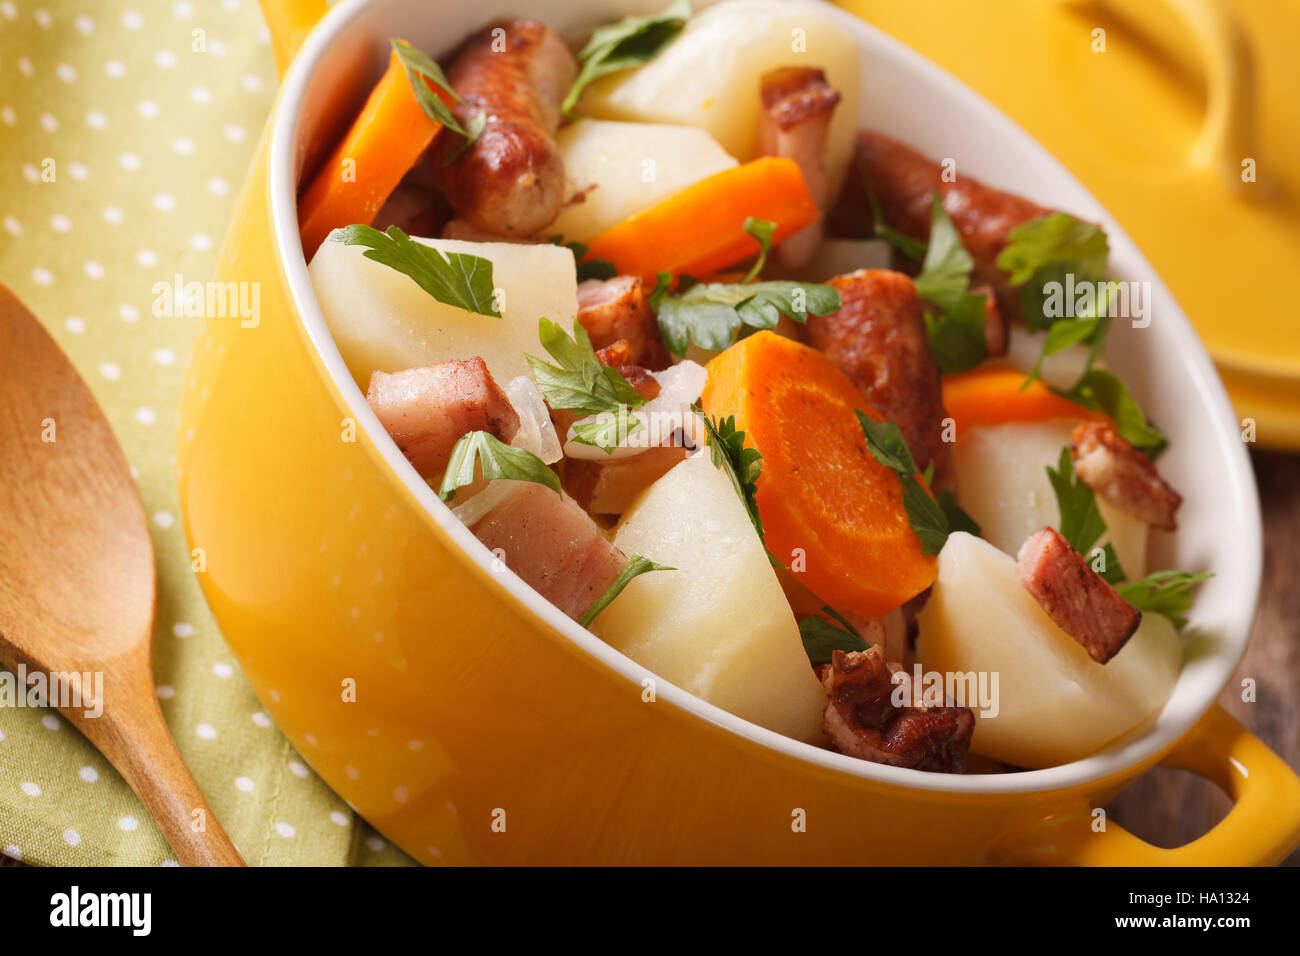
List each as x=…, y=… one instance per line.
x=125, y=128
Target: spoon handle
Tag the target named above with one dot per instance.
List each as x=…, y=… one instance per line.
x=136, y=741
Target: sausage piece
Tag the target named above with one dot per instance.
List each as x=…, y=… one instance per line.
x=510, y=181
x=904, y=180
x=427, y=410
x=878, y=339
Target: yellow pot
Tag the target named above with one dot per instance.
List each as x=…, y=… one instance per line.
x=468, y=719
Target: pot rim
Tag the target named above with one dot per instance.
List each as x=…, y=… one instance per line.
x=1129, y=754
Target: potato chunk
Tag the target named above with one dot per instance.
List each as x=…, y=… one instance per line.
x=1054, y=702
x=709, y=76
x=719, y=626
x=1002, y=482
x=382, y=321
x=619, y=169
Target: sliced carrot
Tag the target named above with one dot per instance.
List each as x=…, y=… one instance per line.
x=701, y=229
x=385, y=141
x=830, y=511
x=993, y=396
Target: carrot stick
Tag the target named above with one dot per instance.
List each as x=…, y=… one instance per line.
x=993, y=396
x=830, y=511
x=700, y=229
x=385, y=141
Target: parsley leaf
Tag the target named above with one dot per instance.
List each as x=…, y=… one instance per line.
x=1055, y=239
x=709, y=313
x=957, y=338
x=914, y=249
x=1081, y=523
x=498, y=460
x=592, y=268
x=958, y=519
x=820, y=637
x=956, y=330
x=1164, y=592
x=927, y=517
x=638, y=565
x=456, y=278
x=607, y=430
x=945, y=273
x=620, y=46
x=1106, y=392
x=418, y=65
x=741, y=465
x=762, y=230
x=580, y=383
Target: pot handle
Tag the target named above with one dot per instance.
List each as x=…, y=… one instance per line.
x=1261, y=829
x=289, y=22
x=1223, y=49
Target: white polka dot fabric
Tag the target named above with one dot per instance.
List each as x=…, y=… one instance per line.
x=125, y=129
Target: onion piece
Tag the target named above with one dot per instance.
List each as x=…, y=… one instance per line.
x=661, y=418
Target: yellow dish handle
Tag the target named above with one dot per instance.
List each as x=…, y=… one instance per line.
x=1260, y=830
x=1225, y=138
x=289, y=22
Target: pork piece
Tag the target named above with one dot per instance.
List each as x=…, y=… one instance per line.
x=904, y=180
x=426, y=410
x=878, y=339
x=550, y=542
x=510, y=181
x=1075, y=596
x=862, y=720
x=618, y=308
x=793, y=123
x=1122, y=475
x=610, y=487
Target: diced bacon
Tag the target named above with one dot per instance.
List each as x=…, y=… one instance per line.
x=878, y=339
x=427, y=410
x=555, y=546
x=618, y=308
x=861, y=719
x=997, y=334
x=1075, y=596
x=610, y=487
x=1122, y=475
x=794, y=123
x=615, y=354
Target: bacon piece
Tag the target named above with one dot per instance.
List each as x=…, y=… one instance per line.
x=878, y=339
x=862, y=721
x=610, y=487
x=618, y=308
x=1075, y=596
x=555, y=546
x=794, y=123
x=510, y=181
x=426, y=410
x=904, y=180
x=1121, y=474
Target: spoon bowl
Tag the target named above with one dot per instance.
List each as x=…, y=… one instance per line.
x=77, y=587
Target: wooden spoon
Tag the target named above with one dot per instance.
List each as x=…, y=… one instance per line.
x=77, y=578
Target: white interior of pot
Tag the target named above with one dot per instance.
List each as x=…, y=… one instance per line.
x=915, y=101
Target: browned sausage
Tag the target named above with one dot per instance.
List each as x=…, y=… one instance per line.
x=904, y=181
x=878, y=339
x=510, y=181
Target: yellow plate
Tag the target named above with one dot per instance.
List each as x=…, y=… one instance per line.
x=1158, y=125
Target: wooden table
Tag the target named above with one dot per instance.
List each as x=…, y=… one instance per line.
x=1171, y=807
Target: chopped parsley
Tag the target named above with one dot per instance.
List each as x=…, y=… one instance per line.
x=456, y=278
x=1081, y=523
x=420, y=67
x=637, y=566
x=1164, y=592
x=822, y=637
x=498, y=460
x=620, y=46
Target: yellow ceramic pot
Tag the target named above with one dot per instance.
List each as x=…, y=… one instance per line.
x=470, y=721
